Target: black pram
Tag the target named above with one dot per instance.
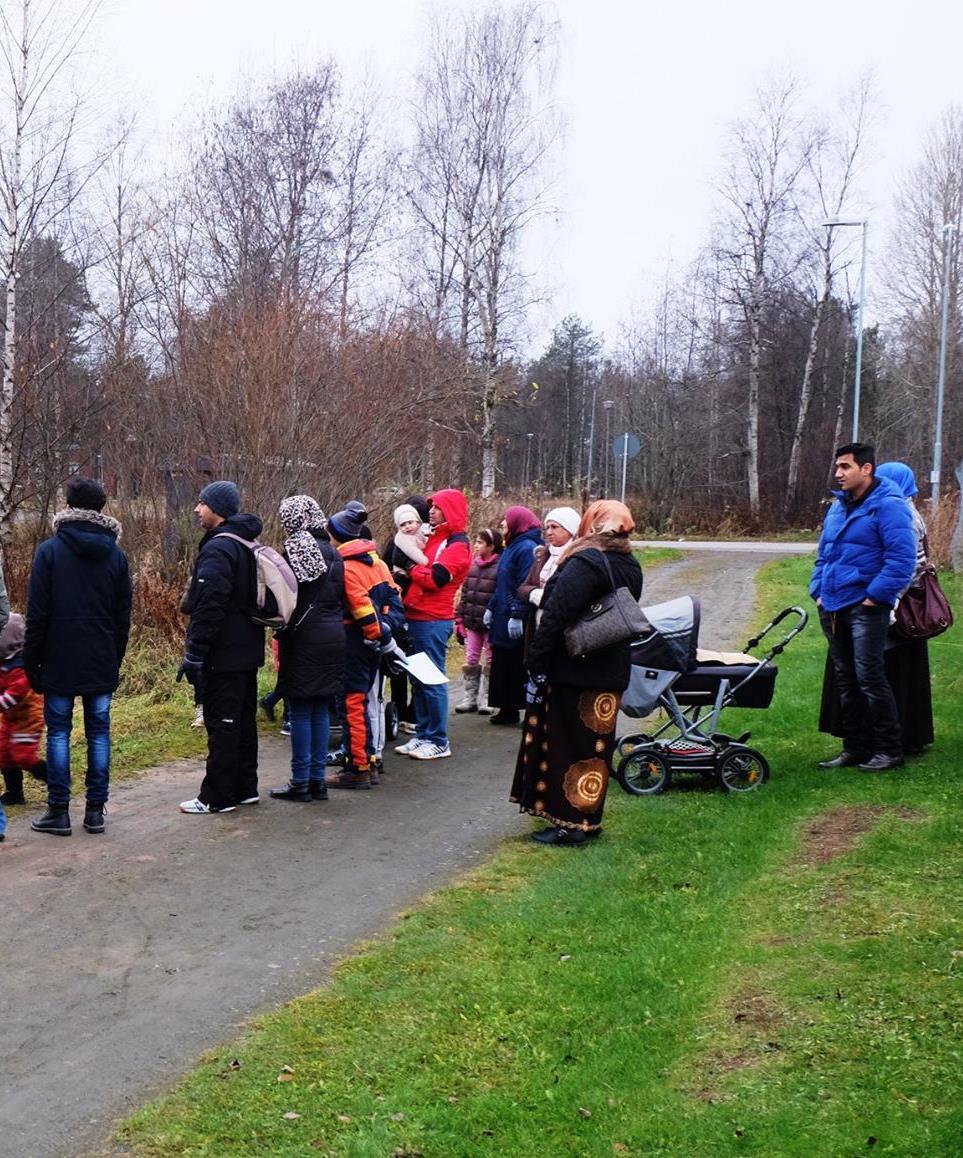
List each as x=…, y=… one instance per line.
x=692, y=686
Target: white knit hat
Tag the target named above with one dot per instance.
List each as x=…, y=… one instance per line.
x=566, y=517
x=406, y=514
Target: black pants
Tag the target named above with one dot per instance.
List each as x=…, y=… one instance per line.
x=230, y=716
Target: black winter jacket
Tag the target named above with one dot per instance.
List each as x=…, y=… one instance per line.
x=311, y=650
x=220, y=598
x=476, y=592
x=578, y=582
x=78, y=607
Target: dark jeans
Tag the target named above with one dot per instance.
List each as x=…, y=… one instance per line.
x=230, y=716
x=58, y=715
x=869, y=719
x=310, y=722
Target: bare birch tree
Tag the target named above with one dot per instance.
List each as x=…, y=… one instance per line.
x=38, y=182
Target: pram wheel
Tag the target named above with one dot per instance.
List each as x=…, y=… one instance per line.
x=627, y=745
x=644, y=773
x=742, y=769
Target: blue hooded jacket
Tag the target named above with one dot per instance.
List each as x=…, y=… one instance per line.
x=865, y=551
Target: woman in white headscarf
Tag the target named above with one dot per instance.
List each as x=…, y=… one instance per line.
x=560, y=528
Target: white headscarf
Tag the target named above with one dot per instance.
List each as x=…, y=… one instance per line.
x=566, y=517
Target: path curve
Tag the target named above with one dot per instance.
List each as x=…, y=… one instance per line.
x=127, y=955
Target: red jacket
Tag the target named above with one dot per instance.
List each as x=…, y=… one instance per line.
x=435, y=584
x=20, y=705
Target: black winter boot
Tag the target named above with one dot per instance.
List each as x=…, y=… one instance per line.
x=56, y=820
x=300, y=793
x=94, y=817
x=13, y=779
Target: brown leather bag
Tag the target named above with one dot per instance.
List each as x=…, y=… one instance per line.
x=923, y=610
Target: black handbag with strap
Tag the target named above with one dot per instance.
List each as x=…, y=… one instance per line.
x=613, y=618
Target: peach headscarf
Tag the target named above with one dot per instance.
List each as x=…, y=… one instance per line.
x=606, y=517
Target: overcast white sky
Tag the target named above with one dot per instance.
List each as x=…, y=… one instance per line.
x=647, y=90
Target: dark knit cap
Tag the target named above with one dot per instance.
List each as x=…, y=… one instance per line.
x=222, y=497
x=85, y=494
x=350, y=523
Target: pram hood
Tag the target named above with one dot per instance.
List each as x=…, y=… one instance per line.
x=672, y=643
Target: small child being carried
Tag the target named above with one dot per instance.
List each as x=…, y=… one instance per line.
x=409, y=544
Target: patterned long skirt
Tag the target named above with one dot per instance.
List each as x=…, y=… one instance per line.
x=563, y=763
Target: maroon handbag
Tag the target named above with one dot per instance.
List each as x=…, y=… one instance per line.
x=923, y=610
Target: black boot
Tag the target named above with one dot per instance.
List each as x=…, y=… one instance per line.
x=13, y=778
x=319, y=790
x=94, y=817
x=56, y=820
x=292, y=791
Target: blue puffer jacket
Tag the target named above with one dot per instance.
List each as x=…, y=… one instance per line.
x=865, y=551
x=516, y=562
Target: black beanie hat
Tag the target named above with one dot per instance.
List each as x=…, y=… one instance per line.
x=349, y=524
x=222, y=497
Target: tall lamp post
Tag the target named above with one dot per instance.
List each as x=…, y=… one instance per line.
x=941, y=380
x=863, y=223
x=608, y=406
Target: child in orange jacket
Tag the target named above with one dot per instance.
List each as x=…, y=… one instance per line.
x=21, y=716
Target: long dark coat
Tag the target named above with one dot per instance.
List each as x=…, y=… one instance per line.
x=311, y=651
x=78, y=607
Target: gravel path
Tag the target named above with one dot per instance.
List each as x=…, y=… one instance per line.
x=127, y=955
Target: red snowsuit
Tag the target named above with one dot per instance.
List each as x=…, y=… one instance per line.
x=21, y=718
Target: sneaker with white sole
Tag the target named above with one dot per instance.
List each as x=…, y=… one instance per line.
x=249, y=800
x=407, y=748
x=426, y=751
x=197, y=807
x=198, y=721
x=408, y=729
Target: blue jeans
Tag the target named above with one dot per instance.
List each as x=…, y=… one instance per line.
x=431, y=703
x=58, y=714
x=310, y=722
x=3, y=819
x=869, y=717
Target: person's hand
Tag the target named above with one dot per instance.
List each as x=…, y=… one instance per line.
x=192, y=670
x=867, y=602
x=487, y=617
x=390, y=647
x=372, y=645
x=515, y=628
x=535, y=596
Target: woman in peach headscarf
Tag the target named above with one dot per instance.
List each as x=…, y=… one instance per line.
x=569, y=731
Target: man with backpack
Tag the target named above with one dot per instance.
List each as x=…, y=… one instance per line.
x=224, y=648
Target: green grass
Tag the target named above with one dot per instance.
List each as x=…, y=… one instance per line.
x=652, y=556
x=697, y=982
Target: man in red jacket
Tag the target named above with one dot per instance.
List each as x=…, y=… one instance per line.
x=430, y=607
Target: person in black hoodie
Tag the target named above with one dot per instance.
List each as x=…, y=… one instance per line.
x=78, y=622
x=311, y=650
x=563, y=763
x=224, y=649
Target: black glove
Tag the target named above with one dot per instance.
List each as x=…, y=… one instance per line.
x=191, y=670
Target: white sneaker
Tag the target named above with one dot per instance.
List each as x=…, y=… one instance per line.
x=408, y=729
x=409, y=747
x=198, y=807
x=248, y=800
x=198, y=717
x=426, y=751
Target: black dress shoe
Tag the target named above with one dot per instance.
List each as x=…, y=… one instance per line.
x=571, y=836
x=843, y=760
x=882, y=763
x=319, y=790
x=300, y=793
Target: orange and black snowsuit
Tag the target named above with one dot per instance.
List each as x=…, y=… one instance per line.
x=371, y=596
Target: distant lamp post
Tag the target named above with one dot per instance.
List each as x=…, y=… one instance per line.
x=863, y=223
x=528, y=460
x=941, y=380
x=608, y=406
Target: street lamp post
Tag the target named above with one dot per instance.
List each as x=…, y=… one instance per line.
x=528, y=460
x=941, y=380
x=863, y=223
x=608, y=406
x=591, y=444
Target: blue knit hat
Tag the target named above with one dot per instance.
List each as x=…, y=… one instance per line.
x=350, y=523
x=222, y=497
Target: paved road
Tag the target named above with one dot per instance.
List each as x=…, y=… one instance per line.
x=125, y=956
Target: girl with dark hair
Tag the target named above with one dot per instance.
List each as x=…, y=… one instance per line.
x=477, y=590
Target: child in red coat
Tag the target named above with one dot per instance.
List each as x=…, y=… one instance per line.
x=21, y=716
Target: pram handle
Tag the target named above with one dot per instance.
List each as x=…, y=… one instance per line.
x=802, y=618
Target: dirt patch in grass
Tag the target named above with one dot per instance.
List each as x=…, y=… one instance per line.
x=835, y=832
x=756, y=1011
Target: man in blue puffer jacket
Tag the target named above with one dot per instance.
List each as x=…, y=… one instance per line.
x=866, y=559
